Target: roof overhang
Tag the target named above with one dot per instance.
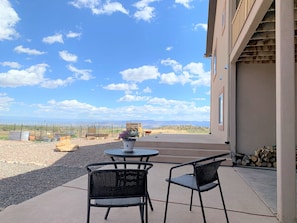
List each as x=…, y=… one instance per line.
x=212, y=6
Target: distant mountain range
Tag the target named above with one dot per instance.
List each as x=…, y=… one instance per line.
x=144, y=123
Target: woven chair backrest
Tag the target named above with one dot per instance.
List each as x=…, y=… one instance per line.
x=207, y=173
x=117, y=183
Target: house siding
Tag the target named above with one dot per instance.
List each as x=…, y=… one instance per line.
x=256, y=107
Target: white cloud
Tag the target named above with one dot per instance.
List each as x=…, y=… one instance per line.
x=121, y=87
x=200, y=99
x=88, y=61
x=169, y=48
x=147, y=90
x=28, y=77
x=92, y=4
x=185, y=77
x=177, y=110
x=144, y=11
x=172, y=78
x=140, y=74
x=58, y=38
x=133, y=98
x=194, y=68
x=8, y=19
x=98, y=8
x=72, y=109
x=11, y=64
x=145, y=14
x=21, y=49
x=67, y=56
x=144, y=3
x=168, y=102
x=32, y=76
x=111, y=7
x=169, y=78
x=5, y=102
x=203, y=80
x=81, y=74
x=177, y=67
x=193, y=73
x=71, y=105
x=180, y=109
x=185, y=3
x=159, y=108
x=200, y=25
x=73, y=35
x=47, y=83
x=199, y=76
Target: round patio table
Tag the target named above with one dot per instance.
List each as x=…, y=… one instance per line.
x=141, y=153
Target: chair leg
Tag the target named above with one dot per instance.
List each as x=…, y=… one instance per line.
x=223, y=202
x=141, y=209
x=166, y=204
x=202, y=208
x=107, y=212
x=88, y=213
x=191, y=202
x=150, y=202
x=146, y=210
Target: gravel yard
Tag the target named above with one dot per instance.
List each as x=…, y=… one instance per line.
x=28, y=169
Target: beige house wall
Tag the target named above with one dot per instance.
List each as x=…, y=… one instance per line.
x=249, y=89
x=255, y=105
x=249, y=110
x=219, y=77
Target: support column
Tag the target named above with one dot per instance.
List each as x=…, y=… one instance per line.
x=285, y=111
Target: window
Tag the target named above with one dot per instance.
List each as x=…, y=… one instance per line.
x=221, y=109
x=214, y=62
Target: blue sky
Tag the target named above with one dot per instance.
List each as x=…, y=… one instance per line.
x=104, y=59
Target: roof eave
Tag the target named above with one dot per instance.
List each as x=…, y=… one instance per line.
x=210, y=27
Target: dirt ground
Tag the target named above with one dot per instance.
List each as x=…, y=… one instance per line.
x=28, y=168
x=42, y=154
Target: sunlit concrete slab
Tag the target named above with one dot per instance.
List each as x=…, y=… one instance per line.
x=68, y=203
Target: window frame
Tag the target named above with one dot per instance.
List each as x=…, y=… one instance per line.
x=214, y=62
x=221, y=110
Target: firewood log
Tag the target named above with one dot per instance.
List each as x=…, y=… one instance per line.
x=254, y=158
x=245, y=160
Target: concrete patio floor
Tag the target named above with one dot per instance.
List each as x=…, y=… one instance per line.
x=68, y=203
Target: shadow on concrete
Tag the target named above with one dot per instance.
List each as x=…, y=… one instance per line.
x=19, y=188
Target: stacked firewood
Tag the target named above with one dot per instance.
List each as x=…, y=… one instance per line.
x=262, y=157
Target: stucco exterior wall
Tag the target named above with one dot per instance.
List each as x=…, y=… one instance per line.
x=219, y=77
x=256, y=107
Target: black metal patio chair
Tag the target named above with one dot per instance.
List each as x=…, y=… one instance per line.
x=203, y=178
x=118, y=184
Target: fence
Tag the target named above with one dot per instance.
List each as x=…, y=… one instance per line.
x=51, y=132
